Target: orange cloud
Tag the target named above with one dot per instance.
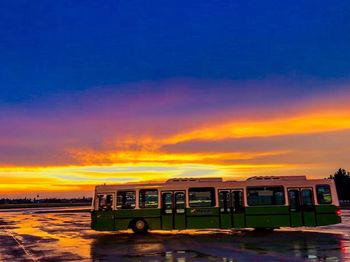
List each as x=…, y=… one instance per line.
x=196, y=144
x=323, y=121
x=89, y=157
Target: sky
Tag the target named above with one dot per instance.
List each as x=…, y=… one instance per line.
x=123, y=91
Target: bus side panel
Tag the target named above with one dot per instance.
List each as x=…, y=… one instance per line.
x=202, y=217
x=309, y=218
x=134, y=213
x=103, y=220
x=296, y=219
x=167, y=222
x=238, y=220
x=203, y=222
x=123, y=218
x=225, y=220
x=327, y=215
x=267, y=216
x=122, y=223
x=180, y=221
x=153, y=223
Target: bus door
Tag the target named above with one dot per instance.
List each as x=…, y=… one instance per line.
x=237, y=208
x=296, y=216
x=225, y=209
x=302, y=207
x=308, y=207
x=173, y=210
x=231, y=208
x=105, y=216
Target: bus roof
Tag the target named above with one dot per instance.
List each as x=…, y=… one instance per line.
x=217, y=181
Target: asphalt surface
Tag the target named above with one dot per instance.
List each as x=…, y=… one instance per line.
x=28, y=236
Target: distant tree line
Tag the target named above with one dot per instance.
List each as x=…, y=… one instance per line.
x=342, y=182
x=44, y=200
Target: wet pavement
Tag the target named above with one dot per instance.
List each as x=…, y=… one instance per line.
x=28, y=236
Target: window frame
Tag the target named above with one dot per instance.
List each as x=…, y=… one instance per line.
x=233, y=206
x=212, y=191
x=317, y=195
x=227, y=208
x=97, y=201
x=142, y=206
x=248, y=188
x=308, y=206
x=126, y=191
x=164, y=205
x=175, y=203
x=296, y=207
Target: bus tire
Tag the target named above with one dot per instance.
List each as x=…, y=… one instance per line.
x=139, y=226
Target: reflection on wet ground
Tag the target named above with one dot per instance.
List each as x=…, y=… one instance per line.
x=26, y=236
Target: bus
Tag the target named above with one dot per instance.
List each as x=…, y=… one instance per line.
x=266, y=202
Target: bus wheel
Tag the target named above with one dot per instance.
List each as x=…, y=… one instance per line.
x=139, y=226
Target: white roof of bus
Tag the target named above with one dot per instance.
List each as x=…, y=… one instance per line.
x=183, y=183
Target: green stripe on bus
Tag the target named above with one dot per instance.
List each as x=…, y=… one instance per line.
x=202, y=211
x=262, y=210
x=326, y=209
x=203, y=222
x=138, y=213
x=267, y=221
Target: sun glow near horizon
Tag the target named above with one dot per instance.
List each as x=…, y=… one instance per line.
x=294, y=139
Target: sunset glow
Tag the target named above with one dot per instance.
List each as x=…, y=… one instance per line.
x=229, y=142
x=100, y=94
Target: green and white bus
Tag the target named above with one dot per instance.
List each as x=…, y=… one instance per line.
x=193, y=203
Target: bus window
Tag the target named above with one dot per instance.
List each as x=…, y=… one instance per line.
x=202, y=197
x=105, y=202
x=126, y=200
x=324, y=195
x=224, y=201
x=148, y=198
x=180, y=202
x=167, y=202
x=294, y=201
x=237, y=201
x=263, y=196
x=308, y=202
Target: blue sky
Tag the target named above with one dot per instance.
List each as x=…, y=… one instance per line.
x=50, y=47
x=131, y=90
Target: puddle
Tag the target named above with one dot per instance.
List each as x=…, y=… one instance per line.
x=59, y=236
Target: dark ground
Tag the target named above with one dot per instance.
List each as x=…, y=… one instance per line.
x=28, y=236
